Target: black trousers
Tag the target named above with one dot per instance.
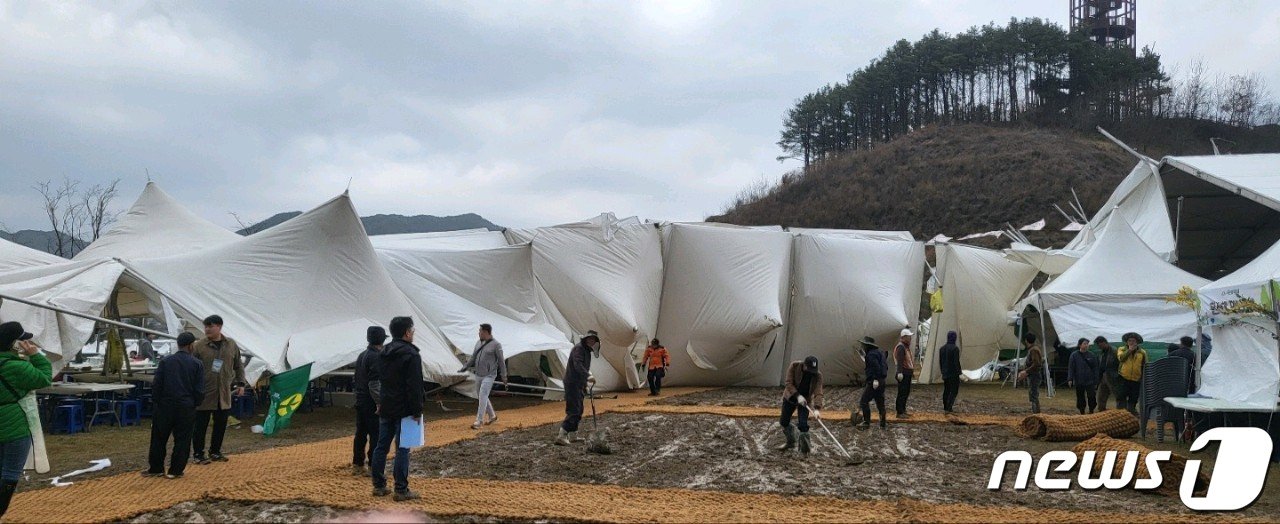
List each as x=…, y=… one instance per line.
x=573, y=395
x=789, y=408
x=171, y=420
x=202, y=426
x=1033, y=390
x=655, y=380
x=868, y=394
x=1129, y=392
x=950, y=388
x=904, y=391
x=366, y=435
x=1086, y=396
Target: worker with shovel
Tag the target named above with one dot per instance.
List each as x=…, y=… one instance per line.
x=577, y=379
x=803, y=392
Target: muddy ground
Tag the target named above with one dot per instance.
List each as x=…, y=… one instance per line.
x=127, y=446
x=209, y=511
x=988, y=399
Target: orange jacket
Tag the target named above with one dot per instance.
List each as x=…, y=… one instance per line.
x=656, y=357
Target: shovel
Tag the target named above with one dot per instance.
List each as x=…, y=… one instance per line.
x=848, y=459
x=598, y=441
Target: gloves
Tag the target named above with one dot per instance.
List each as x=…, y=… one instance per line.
x=816, y=413
x=800, y=400
x=591, y=381
x=899, y=377
x=875, y=384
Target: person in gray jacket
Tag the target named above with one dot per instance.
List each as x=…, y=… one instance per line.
x=488, y=364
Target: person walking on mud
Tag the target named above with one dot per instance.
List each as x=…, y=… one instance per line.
x=906, y=369
x=1034, y=372
x=949, y=363
x=803, y=392
x=658, y=361
x=577, y=379
x=1108, y=373
x=1082, y=373
x=488, y=364
x=877, y=372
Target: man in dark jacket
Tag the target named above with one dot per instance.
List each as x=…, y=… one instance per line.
x=577, y=378
x=1083, y=371
x=803, y=392
x=177, y=389
x=1108, y=373
x=1034, y=372
x=402, y=397
x=877, y=371
x=949, y=363
x=368, y=386
x=1185, y=350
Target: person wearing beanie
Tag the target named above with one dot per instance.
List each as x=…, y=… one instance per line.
x=223, y=374
x=1108, y=373
x=177, y=389
x=23, y=369
x=905, y=357
x=577, y=380
x=877, y=373
x=949, y=363
x=368, y=386
x=1034, y=372
x=1131, y=358
x=1082, y=373
x=803, y=392
x=489, y=364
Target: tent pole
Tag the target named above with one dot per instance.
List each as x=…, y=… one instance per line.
x=87, y=317
x=1022, y=330
x=1177, y=230
x=1048, y=378
x=1199, y=346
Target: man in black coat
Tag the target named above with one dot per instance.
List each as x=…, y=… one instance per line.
x=577, y=378
x=877, y=370
x=1184, y=352
x=1084, y=371
x=177, y=389
x=402, y=397
x=949, y=363
x=368, y=386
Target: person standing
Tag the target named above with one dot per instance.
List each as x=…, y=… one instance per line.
x=147, y=348
x=488, y=364
x=177, y=389
x=402, y=396
x=949, y=363
x=577, y=379
x=658, y=361
x=1108, y=373
x=803, y=392
x=223, y=371
x=23, y=369
x=1184, y=351
x=1132, y=358
x=906, y=368
x=877, y=372
x=1082, y=373
x=368, y=386
x=1034, y=372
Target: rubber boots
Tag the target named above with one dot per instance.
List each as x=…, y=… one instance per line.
x=790, y=433
x=563, y=438
x=804, y=442
x=573, y=437
x=6, y=494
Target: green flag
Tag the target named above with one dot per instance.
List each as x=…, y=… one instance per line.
x=288, y=392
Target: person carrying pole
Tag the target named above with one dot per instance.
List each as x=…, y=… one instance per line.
x=577, y=380
x=803, y=392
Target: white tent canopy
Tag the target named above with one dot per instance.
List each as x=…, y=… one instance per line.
x=1120, y=285
x=1245, y=343
x=863, y=234
x=979, y=286
x=462, y=240
x=16, y=256
x=302, y=291
x=603, y=274
x=1226, y=209
x=82, y=286
x=724, y=302
x=156, y=225
x=1141, y=197
x=1051, y=262
x=847, y=287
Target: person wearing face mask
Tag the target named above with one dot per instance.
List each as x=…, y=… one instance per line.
x=803, y=393
x=577, y=379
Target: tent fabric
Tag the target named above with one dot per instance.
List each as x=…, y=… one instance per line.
x=848, y=287
x=156, y=223
x=1141, y=197
x=1256, y=177
x=284, y=293
x=82, y=286
x=603, y=274
x=862, y=234
x=1120, y=285
x=1051, y=262
x=1247, y=345
x=724, y=298
x=1225, y=208
x=979, y=287
x=463, y=240
x=16, y=256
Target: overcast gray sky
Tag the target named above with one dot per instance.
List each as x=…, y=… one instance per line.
x=528, y=113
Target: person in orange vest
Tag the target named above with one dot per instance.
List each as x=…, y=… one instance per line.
x=658, y=360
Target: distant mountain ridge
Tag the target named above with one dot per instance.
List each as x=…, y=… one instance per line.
x=39, y=240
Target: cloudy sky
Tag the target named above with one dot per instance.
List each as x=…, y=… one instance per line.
x=528, y=113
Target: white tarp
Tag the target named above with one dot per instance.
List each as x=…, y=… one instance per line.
x=156, y=223
x=724, y=299
x=848, y=287
x=1120, y=285
x=602, y=274
x=979, y=287
x=1246, y=343
x=460, y=289
x=299, y=292
x=864, y=234
x=1051, y=262
x=466, y=239
x=16, y=256
x=1256, y=177
x=1140, y=196
x=81, y=286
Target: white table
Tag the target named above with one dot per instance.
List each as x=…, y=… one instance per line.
x=1214, y=405
x=79, y=389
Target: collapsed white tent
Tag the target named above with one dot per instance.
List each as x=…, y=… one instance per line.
x=156, y=225
x=1226, y=209
x=1119, y=285
x=603, y=274
x=462, y=240
x=458, y=289
x=1141, y=198
x=300, y=292
x=16, y=256
x=82, y=286
x=1243, y=342
x=847, y=285
x=724, y=301
x=1052, y=262
x=979, y=286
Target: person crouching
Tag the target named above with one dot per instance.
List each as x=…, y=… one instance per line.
x=803, y=392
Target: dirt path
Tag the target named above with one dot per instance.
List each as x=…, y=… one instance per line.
x=983, y=399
